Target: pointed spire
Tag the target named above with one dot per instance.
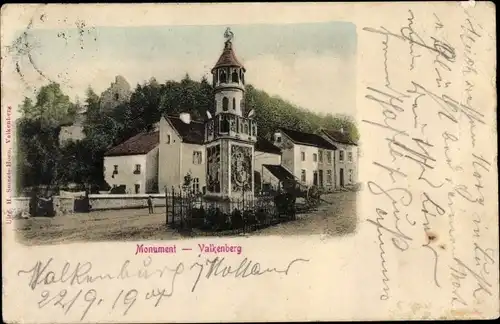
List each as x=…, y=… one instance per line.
x=228, y=58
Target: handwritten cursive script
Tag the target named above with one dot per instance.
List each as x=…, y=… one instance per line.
x=424, y=123
x=77, y=277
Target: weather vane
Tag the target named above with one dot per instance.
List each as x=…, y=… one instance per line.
x=228, y=35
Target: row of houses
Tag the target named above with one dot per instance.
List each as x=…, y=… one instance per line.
x=151, y=161
x=223, y=155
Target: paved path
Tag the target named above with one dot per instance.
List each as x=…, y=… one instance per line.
x=336, y=218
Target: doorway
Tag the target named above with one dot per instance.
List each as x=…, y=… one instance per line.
x=315, y=178
x=341, y=177
x=137, y=188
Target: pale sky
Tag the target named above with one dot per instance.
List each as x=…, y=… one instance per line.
x=312, y=65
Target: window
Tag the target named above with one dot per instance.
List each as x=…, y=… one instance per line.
x=196, y=185
x=115, y=171
x=234, y=103
x=341, y=155
x=329, y=157
x=278, y=139
x=137, y=169
x=197, y=157
x=303, y=156
x=329, y=176
x=315, y=157
x=234, y=77
x=320, y=156
x=225, y=104
x=350, y=175
x=224, y=125
x=349, y=156
x=222, y=76
x=137, y=188
x=167, y=139
x=117, y=96
x=303, y=175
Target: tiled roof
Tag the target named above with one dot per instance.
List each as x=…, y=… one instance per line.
x=264, y=145
x=193, y=133
x=279, y=172
x=141, y=143
x=308, y=139
x=228, y=58
x=339, y=137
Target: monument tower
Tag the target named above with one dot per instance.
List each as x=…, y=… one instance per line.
x=230, y=136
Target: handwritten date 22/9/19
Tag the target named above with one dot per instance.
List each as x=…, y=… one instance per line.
x=65, y=300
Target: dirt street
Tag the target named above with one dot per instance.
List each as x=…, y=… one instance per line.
x=335, y=216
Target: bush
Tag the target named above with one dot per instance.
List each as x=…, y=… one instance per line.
x=197, y=213
x=285, y=203
x=216, y=219
x=261, y=216
x=249, y=217
x=237, y=219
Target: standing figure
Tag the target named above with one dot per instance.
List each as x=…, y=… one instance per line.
x=150, y=204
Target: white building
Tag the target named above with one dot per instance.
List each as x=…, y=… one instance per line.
x=134, y=164
x=73, y=131
x=346, y=157
x=183, y=150
x=309, y=157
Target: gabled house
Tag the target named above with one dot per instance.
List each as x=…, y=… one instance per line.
x=183, y=151
x=309, y=157
x=346, y=157
x=134, y=164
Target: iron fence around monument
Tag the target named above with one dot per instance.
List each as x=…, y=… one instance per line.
x=206, y=215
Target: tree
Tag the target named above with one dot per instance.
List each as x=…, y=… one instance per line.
x=38, y=153
x=52, y=106
x=186, y=185
x=102, y=130
x=274, y=112
x=92, y=106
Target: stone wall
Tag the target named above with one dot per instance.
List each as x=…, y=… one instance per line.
x=64, y=205
x=127, y=201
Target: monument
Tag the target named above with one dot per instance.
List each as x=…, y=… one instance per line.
x=230, y=136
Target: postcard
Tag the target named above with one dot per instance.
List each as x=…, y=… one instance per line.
x=262, y=162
